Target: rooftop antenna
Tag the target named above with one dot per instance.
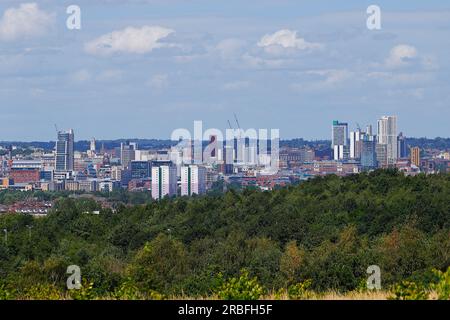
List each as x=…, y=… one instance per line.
x=56, y=128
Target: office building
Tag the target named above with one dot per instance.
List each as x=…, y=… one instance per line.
x=381, y=154
x=368, y=152
x=402, y=147
x=415, y=156
x=339, y=140
x=193, y=180
x=164, y=181
x=64, y=160
x=355, y=144
x=387, y=135
x=127, y=153
x=140, y=169
x=87, y=185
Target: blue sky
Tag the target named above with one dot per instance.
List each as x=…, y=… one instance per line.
x=142, y=68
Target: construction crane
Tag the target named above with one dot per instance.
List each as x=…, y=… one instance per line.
x=237, y=121
x=229, y=124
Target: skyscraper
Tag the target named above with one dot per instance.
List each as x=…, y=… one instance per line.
x=368, y=152
x=64, y=160
x=387, y=135
x=339, y=140
x=355, y=144
x=127, y=153
x=402, y=147
x=415, y=156
x=164, y=181
x=193, y=180
x=381, y=153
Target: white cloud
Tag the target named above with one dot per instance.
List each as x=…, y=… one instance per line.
x=401, y=55
x=129, y=40
x=236, y=85
x=329, y=79
x=24, y=22
x=81, y=76
x=332, y=76
x=257, y=62
x=159, y=82
x=402, y=79
x=285, y=39
x=230, y=48
x=110, y=75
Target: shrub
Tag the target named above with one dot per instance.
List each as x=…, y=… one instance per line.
x=407, y=290
x=154, y=295
x=242, y=288
x=42, y=292
x=300, y=290
x=127, y=291
x=6, y=293
x=86, y=292
x=442, y=287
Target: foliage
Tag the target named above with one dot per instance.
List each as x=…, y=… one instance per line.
x=407, y=290
x=240, y=288
x=300, y=290
x=127, y=291
x=6, y=293
x=86, y=292
x=442, y=286
x=43, y=292
x=328, y=229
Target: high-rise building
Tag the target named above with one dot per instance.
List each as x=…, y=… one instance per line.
x=164, y=181
x=355, y=144
x=387, y=135
x=415, y=156
x=381, y=154
x=64, y=160
x=368, y=152
x=193, y=180
x=127, y=153
x=402, y=147
x=339, y=140
x=140, y=169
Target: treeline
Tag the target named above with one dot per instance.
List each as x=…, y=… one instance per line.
x=8, y=197
x=326, y=231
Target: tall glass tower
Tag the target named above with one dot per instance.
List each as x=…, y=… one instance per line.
x=387, y=135
x=64, y=151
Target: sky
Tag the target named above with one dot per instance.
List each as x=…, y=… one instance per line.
x=143, y=68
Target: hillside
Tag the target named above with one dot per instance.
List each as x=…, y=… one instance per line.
x=327, y=230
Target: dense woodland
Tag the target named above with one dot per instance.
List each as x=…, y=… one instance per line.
x=326, y=231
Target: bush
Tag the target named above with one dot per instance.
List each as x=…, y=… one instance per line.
x=242, y=288
x=127, y=291
x=6, y=293
x=42, y=292
x=300, y=290
x=86, y=292
x=407, y=290
x=442, y=287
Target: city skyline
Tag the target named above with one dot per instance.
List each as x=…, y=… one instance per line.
x=350, y=128
x=295, y=67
